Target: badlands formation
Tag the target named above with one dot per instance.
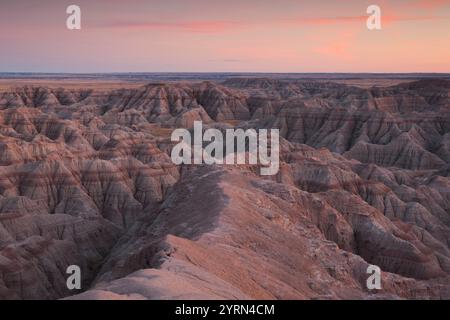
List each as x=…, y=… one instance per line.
x=86, y=179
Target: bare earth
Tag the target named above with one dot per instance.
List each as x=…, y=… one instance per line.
x=86, y=178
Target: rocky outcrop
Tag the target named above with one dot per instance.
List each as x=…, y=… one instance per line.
x=305, y=246
x=86, y=179
x=69, y=189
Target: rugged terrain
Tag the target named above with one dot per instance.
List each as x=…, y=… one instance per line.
x=86, y=178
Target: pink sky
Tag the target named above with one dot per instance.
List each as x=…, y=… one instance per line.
x=225, y=36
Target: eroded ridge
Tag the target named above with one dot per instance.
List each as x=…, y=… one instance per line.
x=86, y=179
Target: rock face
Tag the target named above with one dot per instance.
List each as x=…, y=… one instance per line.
x=86, y=179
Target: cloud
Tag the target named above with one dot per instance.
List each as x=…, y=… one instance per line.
x=431, y=4
x=361, y=19
x=200, y=26
x=399, y=18
x=338, y=45
x=227, y=60
x=327, y=20
x=219, y=26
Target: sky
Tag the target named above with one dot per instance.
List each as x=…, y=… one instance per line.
x=224, y=36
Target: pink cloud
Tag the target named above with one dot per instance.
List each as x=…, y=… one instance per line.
x=337, y=46
x=218, y=26
x=336, y=49
x=389, y=19
x=431, y=4
x=201, y=26
x=361, y=19
x=327, y=21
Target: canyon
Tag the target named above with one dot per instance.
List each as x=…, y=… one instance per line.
x=86, y=179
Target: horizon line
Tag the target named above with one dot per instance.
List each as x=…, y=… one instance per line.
x=212, y=72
